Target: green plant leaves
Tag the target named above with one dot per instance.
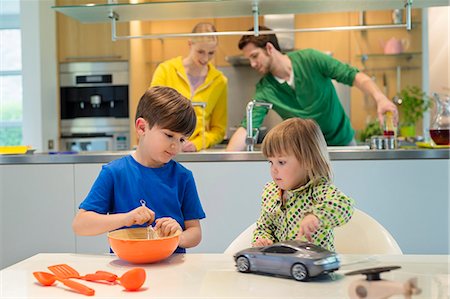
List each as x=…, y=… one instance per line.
x=414, y=103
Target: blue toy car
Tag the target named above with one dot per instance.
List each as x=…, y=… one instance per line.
x=300, y=260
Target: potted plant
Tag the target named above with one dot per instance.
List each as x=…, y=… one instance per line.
x=372, y=129
x=413, y=102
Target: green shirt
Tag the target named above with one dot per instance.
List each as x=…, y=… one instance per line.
x=279, y=222
x=314, y=95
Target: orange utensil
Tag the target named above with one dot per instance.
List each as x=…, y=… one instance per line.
x=131, y=280
x=47, y=279
x=66, y=271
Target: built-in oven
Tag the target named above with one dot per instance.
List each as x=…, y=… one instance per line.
x=94, y=106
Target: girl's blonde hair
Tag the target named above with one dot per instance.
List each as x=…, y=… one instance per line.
x=303, y=139
x=204, y=28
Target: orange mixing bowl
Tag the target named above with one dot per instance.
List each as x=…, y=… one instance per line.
x=132, y=245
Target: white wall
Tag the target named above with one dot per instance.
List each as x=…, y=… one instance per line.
x=39, y=71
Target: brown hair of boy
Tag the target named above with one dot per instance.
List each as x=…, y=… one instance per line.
x=168, y=109
x=259, y=41
x=303, y=139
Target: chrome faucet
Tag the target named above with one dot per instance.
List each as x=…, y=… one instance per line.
x=202, y=105
x=251, y=140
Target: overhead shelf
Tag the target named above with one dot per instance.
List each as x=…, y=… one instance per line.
x=187, y=9
x=407, y=55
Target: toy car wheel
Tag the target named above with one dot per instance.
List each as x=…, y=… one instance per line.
x=299, y=272
x=243, y=264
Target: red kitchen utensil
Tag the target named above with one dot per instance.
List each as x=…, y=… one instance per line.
x=131, y=280
x=66, y=271
x=48, y=279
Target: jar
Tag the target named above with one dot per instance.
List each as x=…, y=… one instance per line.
x=440, y=126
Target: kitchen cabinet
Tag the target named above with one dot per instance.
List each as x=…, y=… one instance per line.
x=36, y=210
x=88, y=42
x=84, y=176
x=39, y=199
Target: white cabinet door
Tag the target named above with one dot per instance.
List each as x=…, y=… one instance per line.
x=85, y=175
x=36, y=211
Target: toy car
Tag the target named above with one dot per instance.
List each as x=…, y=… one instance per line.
x=300, y=260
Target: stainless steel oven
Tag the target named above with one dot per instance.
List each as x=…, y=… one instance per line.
x=94, y=106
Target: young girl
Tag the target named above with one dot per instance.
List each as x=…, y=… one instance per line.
x=300, y=202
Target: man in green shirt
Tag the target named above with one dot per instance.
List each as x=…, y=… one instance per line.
x=298, y=84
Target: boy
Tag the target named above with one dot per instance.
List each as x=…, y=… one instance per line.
x=164, y=121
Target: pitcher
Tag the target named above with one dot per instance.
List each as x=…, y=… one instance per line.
x=440, y=127
x=395, y=46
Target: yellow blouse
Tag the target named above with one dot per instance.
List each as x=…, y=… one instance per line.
x=213, y=92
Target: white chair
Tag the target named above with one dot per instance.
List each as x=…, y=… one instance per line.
x=364, y=235
x=361, y=235
x=244, y=240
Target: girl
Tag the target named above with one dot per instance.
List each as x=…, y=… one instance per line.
x=300, y=202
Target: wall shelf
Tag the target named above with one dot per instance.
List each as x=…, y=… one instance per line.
x=405, y=55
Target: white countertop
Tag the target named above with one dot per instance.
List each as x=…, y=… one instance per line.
x=215, y=276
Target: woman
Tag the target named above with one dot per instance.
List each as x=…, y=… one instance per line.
x=198, y=80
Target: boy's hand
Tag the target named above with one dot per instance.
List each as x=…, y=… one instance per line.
x=167, y=226
x=309, y=225
x=139, y=215
x=262, y=242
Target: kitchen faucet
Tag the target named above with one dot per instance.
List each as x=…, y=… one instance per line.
x=202, y=105
x=251, y=140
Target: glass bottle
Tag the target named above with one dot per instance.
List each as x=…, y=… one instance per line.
x=440, y=127
x=389, y=128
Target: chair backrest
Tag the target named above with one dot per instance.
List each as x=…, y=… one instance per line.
x=364, y=235
x=361, y=235
x=244, y=240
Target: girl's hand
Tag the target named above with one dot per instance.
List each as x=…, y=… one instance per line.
x=309, y=225
x=167, y=226
x=139, y=216
x=189, y=147
x=262, y=242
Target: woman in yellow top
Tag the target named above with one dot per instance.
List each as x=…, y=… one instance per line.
x=197, y=79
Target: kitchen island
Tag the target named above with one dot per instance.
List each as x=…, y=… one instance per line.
x=215, y=276
x=405, y=190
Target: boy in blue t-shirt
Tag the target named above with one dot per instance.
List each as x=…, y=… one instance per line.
x=164, y=121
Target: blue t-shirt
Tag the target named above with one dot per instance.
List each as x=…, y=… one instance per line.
x=169, y=191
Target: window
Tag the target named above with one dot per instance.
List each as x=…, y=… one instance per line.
x=280, y=249
x=10, y=74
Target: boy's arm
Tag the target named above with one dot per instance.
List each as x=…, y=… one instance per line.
x=192, y=235
x=88, y=223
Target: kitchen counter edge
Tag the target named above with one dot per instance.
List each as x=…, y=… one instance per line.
x=221, y=156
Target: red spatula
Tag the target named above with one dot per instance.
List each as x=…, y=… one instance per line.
x=132, y=280
x=66, y=271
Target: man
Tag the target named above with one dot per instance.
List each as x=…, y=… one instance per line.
x=298, y=84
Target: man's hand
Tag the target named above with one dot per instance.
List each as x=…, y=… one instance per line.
x=384, y=105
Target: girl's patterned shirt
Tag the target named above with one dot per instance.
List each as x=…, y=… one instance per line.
x=280, y=222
